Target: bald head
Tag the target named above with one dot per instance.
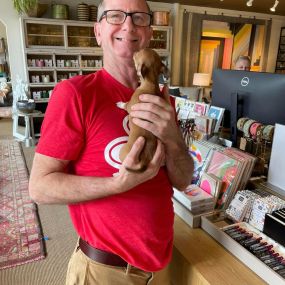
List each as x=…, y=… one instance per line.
x=243, y=63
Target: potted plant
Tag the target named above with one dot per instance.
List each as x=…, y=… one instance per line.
x=30, y=7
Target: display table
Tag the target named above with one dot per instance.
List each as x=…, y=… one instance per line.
x=29, y=135
x=199, y=259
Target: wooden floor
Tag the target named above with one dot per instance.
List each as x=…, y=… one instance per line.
x=57, y=228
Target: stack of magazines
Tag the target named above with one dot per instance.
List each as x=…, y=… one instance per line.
x=195, y=199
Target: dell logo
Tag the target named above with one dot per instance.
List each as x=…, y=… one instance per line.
x=244, y=82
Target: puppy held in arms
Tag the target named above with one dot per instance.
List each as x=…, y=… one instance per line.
x=149, y=66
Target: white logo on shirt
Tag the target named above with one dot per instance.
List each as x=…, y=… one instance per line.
x=113, y=148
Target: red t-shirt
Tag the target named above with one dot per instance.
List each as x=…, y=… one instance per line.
x=83, y=124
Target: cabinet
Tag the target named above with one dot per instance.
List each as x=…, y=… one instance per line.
x=280, y=62
x=60, y=49
x=161, y=41
x=56, y=50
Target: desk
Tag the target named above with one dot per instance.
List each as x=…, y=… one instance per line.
x=198, y=259
x=29, y=134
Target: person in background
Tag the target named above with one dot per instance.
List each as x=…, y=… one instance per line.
x=124, y=220
x=243, y=63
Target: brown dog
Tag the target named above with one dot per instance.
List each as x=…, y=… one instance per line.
x=149, y=67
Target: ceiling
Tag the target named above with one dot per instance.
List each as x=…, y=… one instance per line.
x=258, y=6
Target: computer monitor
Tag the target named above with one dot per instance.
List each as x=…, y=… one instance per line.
x=256, y=95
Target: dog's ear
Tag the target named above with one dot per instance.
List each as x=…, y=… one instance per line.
x=165, y=71
x=144, y=70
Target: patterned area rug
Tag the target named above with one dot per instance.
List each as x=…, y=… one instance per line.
x=5, y=112
x=20, y=232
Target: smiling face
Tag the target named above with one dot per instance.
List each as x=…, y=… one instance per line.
x=121, y=41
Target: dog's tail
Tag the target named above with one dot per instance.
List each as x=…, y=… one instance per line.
x=146, y=156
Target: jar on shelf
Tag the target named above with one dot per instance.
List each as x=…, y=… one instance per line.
x=82, y=12
x=60, y=11
x=92, y=13
x=161, y=18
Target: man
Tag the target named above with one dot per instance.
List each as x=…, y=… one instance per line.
x=243, y=63
x=124, y=220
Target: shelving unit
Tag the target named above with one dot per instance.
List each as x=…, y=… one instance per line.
x=280, y=62
x=60, y=49
x=56, y=50
x=161, y=42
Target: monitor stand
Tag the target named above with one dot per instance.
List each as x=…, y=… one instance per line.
x=237, y=106
x=234, y=117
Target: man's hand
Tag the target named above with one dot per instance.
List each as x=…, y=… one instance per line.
x=156, y=115
x=128, y=180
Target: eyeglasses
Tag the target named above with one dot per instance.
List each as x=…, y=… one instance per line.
x=117, y=17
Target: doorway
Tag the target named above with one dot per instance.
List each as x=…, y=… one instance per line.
x=223, y=42
x=6, y=95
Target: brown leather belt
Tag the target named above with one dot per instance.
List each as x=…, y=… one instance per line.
x=101, y=256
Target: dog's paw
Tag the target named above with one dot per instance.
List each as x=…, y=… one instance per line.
x=121, y=105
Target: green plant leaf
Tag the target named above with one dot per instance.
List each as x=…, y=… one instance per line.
x=23, y=6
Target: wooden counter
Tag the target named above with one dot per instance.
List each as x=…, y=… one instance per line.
x=199, y=259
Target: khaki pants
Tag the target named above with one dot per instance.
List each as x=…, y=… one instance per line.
x=84, y=271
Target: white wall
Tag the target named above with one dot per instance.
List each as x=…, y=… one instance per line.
x=10, y=19
x=2, y=31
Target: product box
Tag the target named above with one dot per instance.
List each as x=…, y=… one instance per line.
x=192, y=220
x=215, y=224
x=191, y=204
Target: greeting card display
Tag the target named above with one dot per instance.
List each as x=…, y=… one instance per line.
x=227, y=169
x=211, y=184
x=205, y=124
x=184, y=108
x=201, y=153
x=216, y=113
x=201, y=109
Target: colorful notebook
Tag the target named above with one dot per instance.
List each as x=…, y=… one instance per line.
x=194, y=197
x=211, y=184
x=200, y=154
x=227, y=169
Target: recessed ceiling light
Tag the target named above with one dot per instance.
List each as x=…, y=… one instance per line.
x=249, y=3
x=273, y=8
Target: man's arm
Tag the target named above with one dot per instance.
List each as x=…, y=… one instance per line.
x=157, y=116
x=50, y=184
